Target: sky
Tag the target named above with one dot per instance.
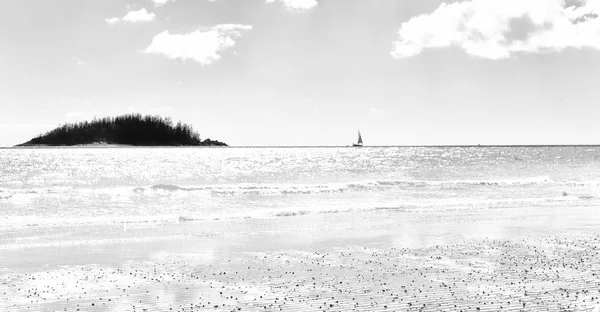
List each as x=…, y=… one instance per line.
x=308, y=72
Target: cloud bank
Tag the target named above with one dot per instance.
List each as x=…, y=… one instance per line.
x=202, y=46
x=297, y=5
x=140, y=15
x=497, y=29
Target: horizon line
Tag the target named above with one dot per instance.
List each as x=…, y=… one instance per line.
x=313, y=146
x=417, y=145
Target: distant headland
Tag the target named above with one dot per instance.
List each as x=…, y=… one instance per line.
x=131, y=129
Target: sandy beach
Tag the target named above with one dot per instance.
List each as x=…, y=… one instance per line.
x=529, y=260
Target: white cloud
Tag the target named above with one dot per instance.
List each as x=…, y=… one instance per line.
x=497, y=29
x=202, y=46
x=161, y=2
x=297, y=5
x=140, y=15
x=112, y=20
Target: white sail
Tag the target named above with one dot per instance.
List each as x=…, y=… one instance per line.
x=360, y=142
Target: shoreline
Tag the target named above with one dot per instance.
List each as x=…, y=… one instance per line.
x=530, y=259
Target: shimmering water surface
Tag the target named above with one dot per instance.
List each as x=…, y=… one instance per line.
x=300, y=229
x=62, y=186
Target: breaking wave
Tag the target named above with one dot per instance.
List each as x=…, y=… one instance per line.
x=274, y=189
x=279, y=189
x=398, y=207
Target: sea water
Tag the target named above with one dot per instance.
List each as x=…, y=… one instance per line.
x=45, y=188
x=130, y=229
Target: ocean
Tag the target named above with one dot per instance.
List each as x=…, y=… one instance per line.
x=47, y=187
x=371, y=228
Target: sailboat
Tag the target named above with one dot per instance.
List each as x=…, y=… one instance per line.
x=359, y=143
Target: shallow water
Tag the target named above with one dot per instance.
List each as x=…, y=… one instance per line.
x=527, y=260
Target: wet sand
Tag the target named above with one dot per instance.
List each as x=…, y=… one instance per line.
x=535, y=259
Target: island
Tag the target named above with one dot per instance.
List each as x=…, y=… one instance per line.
x=130, y=129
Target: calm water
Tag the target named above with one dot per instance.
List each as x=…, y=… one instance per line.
x=76, y=186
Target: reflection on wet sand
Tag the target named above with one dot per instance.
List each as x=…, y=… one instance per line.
x=388, y=263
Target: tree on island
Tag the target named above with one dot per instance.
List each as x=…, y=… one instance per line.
x=131, y=129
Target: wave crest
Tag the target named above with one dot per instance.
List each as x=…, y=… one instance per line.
x=291, y=189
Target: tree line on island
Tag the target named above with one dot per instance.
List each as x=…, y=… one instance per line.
x=130, y=129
